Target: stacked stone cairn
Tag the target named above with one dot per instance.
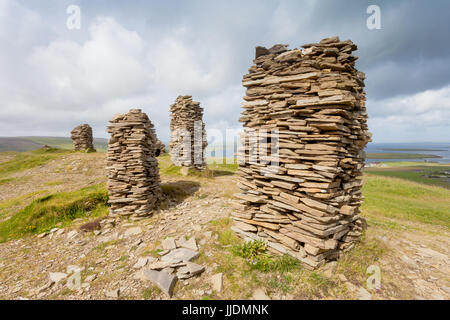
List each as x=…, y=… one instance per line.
x=133, y=174
x=82, y=138
x=160, y=148
x=188, y=134
x=301, y=177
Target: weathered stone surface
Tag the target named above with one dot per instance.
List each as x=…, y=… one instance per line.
x=82, y=138
x=133, y=174
x=132, y=231
x=166, y=282
x=180, y=254
x=217, y=282
x=188, y=244
x=113, y=294
x=168, y=244
x=143, y=261
x=187, y=134
x=301, y=154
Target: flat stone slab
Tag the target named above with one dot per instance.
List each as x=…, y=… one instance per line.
x=217, y=282
x=191, y=269
x=158, y=265
x=188, y=244
x=132, y=231
x=169, y=244
x=143, y=261
x=181, y=254
x=166, y=282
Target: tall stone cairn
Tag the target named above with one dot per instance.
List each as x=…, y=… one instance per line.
x=82, y=138
x=308, y=206
x=184, y=114
x=133, y=174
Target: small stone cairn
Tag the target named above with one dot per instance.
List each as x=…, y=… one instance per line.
x=82, y=138
x=188, y=134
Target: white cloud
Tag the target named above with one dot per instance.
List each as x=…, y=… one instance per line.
x=418, y=117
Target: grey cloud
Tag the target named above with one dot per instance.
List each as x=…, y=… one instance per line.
x=211, y=44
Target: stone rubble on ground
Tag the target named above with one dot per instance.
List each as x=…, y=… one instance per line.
x=305, y=199
x=173, y=265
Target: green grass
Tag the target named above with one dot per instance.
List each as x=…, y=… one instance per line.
x=255, y=253
x=415, y=172
x=66, y=143
x=400, y=156
x=59, y=209
x=214, y=168
x=27, y=160
x=387, y=197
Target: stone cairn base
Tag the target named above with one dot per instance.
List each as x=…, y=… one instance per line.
x=188, y=134
x=82, y=138
x=133, y=174
x=310, y=105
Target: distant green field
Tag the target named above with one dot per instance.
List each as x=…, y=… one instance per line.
x=430, y=174
x=411, y=150
x=66, y=143
x=403, y=200
x=401, y=156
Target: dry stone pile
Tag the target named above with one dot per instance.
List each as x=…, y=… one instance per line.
x=160, y=148
x=308, y=107
x=188, y=134
x=82, y=138
x=133, y=174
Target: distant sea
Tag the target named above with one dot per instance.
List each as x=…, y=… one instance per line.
x=438, y=149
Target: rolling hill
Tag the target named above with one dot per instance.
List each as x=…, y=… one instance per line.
x=32, y=143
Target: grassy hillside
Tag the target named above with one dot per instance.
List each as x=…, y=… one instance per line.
x=426, y=173
x=58, y=209
x=66, y=143
x=18, y=144
x=27, y=160
x=394, y=205
x=389, y=198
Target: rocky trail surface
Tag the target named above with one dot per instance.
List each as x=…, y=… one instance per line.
x=126, y=261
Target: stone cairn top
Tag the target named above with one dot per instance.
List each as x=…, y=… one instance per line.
x=133, y=174
x=310, y=104
x=188, y=134
x=82, y=138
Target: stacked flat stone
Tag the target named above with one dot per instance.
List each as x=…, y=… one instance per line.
x=82, y=138
x=160, y=148
x=133, y=174
x=187, y=141
x=310, y=106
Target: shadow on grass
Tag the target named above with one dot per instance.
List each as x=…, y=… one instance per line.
x=177, y=191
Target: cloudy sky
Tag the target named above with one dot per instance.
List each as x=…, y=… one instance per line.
x=146, y=53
